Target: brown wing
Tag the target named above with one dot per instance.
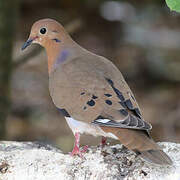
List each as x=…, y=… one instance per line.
x=92, y=89
x=127, y=115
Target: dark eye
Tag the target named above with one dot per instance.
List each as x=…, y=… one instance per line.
x=43, y=30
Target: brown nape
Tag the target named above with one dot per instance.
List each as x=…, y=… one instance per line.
x=141, y=144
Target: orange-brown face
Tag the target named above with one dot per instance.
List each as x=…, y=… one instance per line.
x=44, y=32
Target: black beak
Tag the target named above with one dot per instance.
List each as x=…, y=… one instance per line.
x=26, y=44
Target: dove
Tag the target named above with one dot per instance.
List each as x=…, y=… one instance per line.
x=91, y=93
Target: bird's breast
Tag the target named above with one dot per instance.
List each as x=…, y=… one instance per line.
x=58, y=88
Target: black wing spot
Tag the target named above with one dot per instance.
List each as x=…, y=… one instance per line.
x=82, y=93
x=94, y=97
x=91, y=102
x=125, y=103
x=123, y=112
x=108, y=95
x=118, y=93
x=100, y=117
x=133, y=97
x=84, y=108
x=137, y=112
x=129, y=104
x=64, y=112
x=109, y=81
x=122, y=104
x=108, y=102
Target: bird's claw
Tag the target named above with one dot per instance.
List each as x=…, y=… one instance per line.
x=79, y=151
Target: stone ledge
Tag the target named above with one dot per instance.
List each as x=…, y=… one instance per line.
x=36, y=161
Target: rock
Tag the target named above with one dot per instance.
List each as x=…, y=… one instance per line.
x=37, y=161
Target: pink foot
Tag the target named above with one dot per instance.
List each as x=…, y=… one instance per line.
x=76, y=150
x=103, y=141
x=84, y=149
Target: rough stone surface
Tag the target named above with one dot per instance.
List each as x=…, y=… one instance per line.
x=36, y=161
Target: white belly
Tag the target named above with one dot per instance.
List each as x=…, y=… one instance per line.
x=82, y=127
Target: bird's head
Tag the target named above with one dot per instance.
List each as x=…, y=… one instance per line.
x=47, y=33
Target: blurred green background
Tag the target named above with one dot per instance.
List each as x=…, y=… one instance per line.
x=142, y=37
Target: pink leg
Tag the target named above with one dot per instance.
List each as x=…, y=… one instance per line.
x=76, y=150
x=103, y=141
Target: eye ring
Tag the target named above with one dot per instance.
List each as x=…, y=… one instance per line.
x=43, y=30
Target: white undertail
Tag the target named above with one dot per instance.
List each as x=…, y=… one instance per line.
x=87, y=128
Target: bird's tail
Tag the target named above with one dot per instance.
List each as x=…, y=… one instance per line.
x=156, y=156
x=141, y=144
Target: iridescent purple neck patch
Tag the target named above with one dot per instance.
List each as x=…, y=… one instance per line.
x=61, y=58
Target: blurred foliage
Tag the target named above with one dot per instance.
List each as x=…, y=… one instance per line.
x=8, y=20
x=174, y=5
